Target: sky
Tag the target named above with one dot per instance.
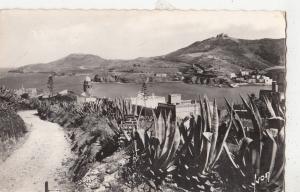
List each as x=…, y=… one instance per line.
x=29, y=36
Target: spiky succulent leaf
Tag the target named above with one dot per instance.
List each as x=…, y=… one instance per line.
x=269, y=107
x=220, y=149
x=204, y=156
x=236, y=121
x=208, y=113
x=215, y=130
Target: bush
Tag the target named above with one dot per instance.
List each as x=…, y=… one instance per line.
x=12, y=127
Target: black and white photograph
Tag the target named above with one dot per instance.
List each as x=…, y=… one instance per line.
x=142, y=101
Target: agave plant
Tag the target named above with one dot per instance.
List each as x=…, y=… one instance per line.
x=201, y=149
x=156, y=149
x=124, y=107
x=260, y=159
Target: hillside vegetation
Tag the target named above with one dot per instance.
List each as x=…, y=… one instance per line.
x=12, y=128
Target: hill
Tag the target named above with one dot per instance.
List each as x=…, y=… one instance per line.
x=71, y=63
x=219, y=55
x=225, y=54
x=4, y=71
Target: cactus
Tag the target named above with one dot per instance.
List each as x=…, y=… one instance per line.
x=262, y=155
x=201, y=149
x=157, y=149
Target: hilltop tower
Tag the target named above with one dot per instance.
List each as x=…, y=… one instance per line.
x=87, y=86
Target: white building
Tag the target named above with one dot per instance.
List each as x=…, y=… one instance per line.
x=244, y=73
x=258, y=76
x=232, y=75
x=161, y=75
x=174, y=98
x=185, y=108
x=147, y=101
x=268, y=80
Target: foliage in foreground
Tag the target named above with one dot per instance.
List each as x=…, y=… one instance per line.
x=191, y=159
x=158, y=148
x=201, y=149
x=259, y=163
x=93, y=128
x=9, y=100
x=12, y=127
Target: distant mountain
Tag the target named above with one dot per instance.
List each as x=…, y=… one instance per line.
x=220, y=55
x=3, y=71
x=72, y=62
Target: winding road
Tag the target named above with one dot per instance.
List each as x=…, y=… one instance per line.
x=39, y=159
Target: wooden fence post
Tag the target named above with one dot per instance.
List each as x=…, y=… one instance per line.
x=46, y=187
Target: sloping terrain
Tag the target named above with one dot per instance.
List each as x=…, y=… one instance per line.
x=70, y=63
x=220, y=55
x=226, y=54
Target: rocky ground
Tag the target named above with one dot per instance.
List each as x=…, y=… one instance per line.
x=111, y=174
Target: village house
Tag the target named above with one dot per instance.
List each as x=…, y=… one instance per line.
x=181, y=108
x=267, y=80
x=258, y=76
x=244, y=73
x=160, y=75
x=232, y=75
x=251, y=78
x=277, y=74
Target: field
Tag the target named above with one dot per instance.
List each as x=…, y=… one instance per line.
x=74, y=83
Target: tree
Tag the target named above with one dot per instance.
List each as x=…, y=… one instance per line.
x=144, y=89
x=50, y=85
x=25, y=96
x=96, y=78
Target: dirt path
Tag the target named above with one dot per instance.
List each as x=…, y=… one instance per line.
x=39, y=159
